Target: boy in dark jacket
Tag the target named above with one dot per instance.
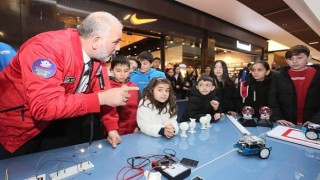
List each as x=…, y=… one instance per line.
x=294, y=93
x=202, y=101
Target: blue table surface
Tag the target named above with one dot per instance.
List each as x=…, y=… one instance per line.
x=213, y=148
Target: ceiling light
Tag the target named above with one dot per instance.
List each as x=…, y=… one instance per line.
x=127, y=17
x=314, y=42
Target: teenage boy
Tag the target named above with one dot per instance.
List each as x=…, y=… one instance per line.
x=127, y=114
x=145, y=74
x=202, y=101
x=156, y=63
x=294, y=93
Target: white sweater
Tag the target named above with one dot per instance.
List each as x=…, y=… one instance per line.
x=150, y=122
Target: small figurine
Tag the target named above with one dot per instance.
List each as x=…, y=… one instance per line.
x=184, y=126
x=192, y=125
x=246, y=120
x=247, y=112
x=208, y=116
x=264, y=120
x=203, y=121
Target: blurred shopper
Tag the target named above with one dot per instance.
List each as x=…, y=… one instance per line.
x=189, y=82
x=6, y=54
x=170, y=77
x=207, y=70
x=156, y=63
x=134, y=64
x=178, y=81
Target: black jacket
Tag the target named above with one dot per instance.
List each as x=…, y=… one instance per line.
x=260, y=89
x=225, y=95
x=199, y=105
x=282, y=98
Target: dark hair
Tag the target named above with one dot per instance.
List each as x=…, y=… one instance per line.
x=225, y=79
x=168, y=69
x=189, y=74
x=136, y=60
x=156, y=58
x=266, y=65
x=295, y=50
x=145, y=55
x=175, y=66
x=205, y=78
x=119, y=59
x=171, y=102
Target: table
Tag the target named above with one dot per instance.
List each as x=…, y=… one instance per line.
x=213, y=148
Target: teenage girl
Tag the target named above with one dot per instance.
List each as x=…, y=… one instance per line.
x=225, y=88
x=157, y=110
x=254, y=91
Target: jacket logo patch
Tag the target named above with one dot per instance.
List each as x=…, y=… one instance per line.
x=44, y=68
x=69, y=80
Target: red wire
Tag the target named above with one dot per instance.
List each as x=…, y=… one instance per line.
x=140, y=171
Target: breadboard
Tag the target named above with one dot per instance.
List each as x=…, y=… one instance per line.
x=64, y=173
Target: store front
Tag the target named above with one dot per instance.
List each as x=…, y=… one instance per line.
x=180, y=35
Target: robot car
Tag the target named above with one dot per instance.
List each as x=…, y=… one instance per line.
x=252, y=145
x=312, y=131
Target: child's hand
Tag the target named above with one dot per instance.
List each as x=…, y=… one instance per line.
x=216, y=116
x=285, y=122
x=136, y=130
x=169, y=130
x=232, y=113
x=214, y=104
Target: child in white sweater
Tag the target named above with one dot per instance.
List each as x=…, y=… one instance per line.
x=157, y=110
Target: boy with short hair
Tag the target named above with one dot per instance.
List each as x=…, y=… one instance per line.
x=294, y=93
x=156, y=63
x=127, y=115
x=202, y=101
x=145, y=74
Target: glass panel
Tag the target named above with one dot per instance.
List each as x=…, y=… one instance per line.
x=183, y=50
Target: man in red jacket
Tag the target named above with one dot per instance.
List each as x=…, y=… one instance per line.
x=54, y=81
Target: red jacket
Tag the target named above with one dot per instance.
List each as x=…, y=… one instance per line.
x=28, y=102
x=127, y=114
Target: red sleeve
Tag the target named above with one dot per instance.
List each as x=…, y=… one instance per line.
x=46, y=97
